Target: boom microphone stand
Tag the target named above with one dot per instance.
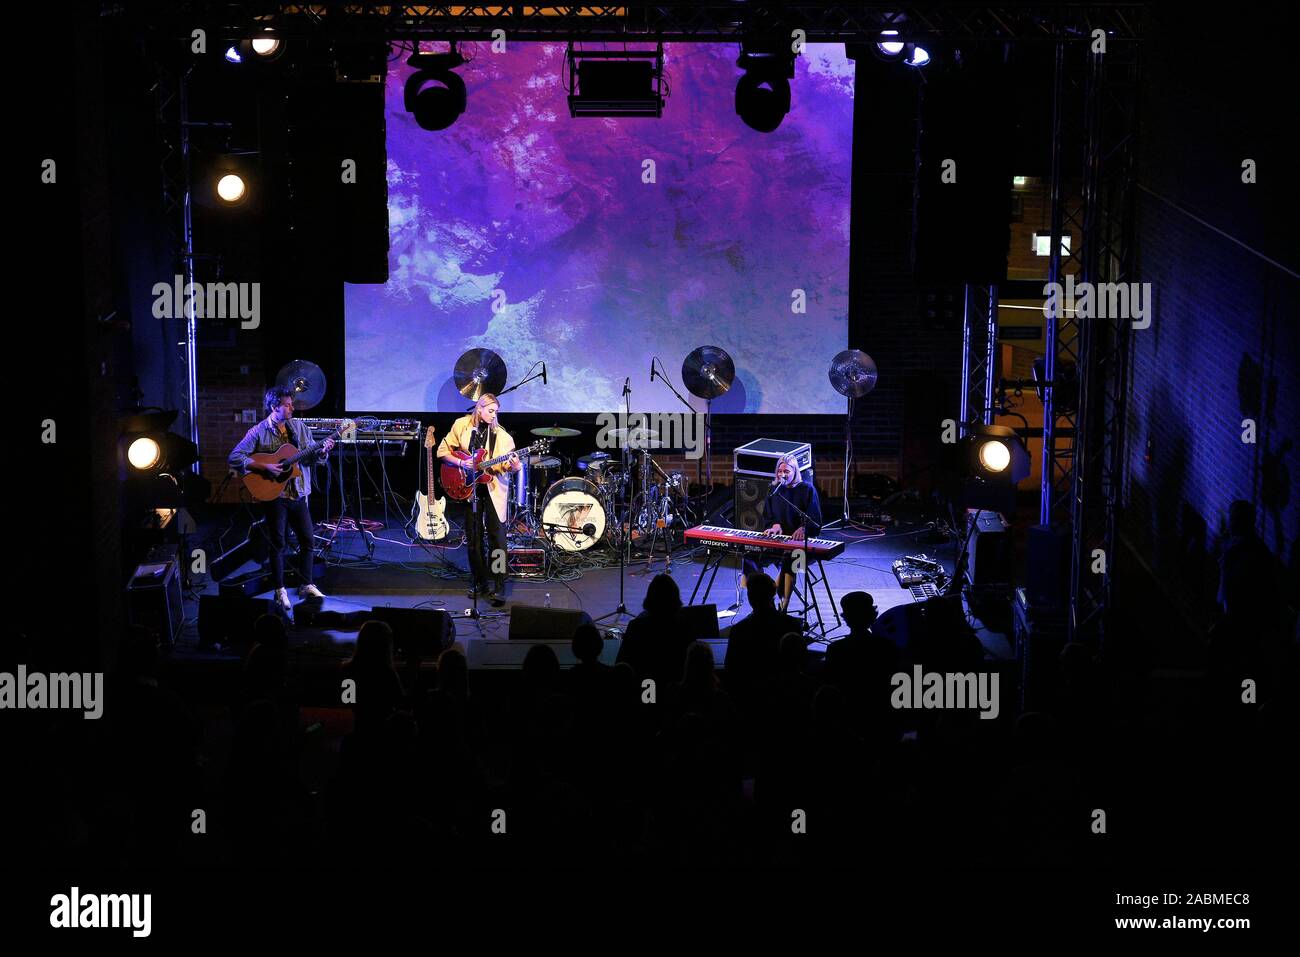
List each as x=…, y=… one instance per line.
x=624, y=528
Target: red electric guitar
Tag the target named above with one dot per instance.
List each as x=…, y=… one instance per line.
x=458, y=481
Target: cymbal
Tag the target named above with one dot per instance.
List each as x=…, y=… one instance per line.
x=708, y=372
x=305, y=379
x=479, y=371
x=638, y=434
x=585, y=461
x=556, y=432
x=853, y=373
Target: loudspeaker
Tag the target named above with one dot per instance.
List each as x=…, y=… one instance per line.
x=1047, y=578
x=962, y=206
x=751, y=495
x=698, y=622
x=427, y=630
x=228, y=618
x=153, y=597
x=534, y=622
x=989, y=553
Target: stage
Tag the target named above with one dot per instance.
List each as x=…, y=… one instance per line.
x=382, y=569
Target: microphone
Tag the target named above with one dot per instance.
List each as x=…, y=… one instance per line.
x=589, y=529
x=543, y=373
x=775, y=482
x=627, y=385
x=652, y=370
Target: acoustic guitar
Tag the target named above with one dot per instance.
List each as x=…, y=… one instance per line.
x=458, y=481
x=429, y=511
x=265, y=488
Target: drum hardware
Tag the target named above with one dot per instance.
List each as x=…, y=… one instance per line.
x=708, y=373
x=479, y=371
x=573, y=515
x=853, y=374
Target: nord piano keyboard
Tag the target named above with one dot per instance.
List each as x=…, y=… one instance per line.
x=739, y=540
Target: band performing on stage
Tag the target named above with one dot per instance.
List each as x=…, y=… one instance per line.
x=526, y=510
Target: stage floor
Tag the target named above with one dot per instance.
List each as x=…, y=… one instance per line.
x=382, y=569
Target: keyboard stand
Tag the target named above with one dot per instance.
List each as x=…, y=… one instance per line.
x=723, y=554
x=808, y=597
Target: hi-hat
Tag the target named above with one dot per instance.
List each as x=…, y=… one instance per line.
x=305, y=379
x=556, y=432
x=853, y=373
x=708, y=372
x=638, y=434
x=479, y=371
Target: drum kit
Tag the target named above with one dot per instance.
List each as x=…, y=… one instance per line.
x=578, y=511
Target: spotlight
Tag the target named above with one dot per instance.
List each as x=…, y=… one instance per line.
x=998, y=453
x=267, y=46
x=144, y=453
x=232, y=54
x=890, y=49
x=151, y=449
x=994, y=456
x=231, y=188
x=763, y=93
x=433, y=94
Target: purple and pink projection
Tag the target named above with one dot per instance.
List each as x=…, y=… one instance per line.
x=525, y=231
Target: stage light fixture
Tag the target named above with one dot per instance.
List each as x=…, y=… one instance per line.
x=232, y=54
x=231, y=188
x=998, y=454
x=890, y=49
x=268, y=46
x=917, y=56
x=763, y=92
x=994, y=456
x=433, y=94
x=144, y=453
x=616, y=82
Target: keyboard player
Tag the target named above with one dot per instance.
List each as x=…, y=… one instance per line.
x=792, y=508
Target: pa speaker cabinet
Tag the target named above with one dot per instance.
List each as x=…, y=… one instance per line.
x=1047, y=576
x=426, y=630
x=751, y=495
x=228, y=618
x=532, y=622
x=153, y=599
x=990, y=548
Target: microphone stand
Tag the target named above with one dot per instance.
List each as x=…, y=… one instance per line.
x=624, y=530
x=707, y=456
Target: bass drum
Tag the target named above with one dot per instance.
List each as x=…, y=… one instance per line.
x=573, y=516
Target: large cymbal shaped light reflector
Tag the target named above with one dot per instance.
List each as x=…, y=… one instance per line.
x=708, y=372
x=853, y=373
x=305, y=379
x=479, y=371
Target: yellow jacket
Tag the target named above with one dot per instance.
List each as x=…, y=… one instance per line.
x=457, y=440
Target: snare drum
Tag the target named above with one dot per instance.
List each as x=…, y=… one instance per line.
x=573, y=516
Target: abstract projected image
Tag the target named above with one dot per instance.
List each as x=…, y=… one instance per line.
x=595, y=244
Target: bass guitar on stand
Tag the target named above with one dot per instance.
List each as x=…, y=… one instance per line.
x=429, y=511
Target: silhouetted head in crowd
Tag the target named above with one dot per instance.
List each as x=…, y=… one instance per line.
x=453, y=672
x=793, y=653
x=761, y=590
x=698, y=673
x=859, y=610
x=587, y=643
x=1241, y=519
x=541, y=668
x=269, y=632
x=663, y=597
x=374, y=647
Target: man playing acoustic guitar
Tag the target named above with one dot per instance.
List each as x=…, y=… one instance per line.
x=268, y=435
